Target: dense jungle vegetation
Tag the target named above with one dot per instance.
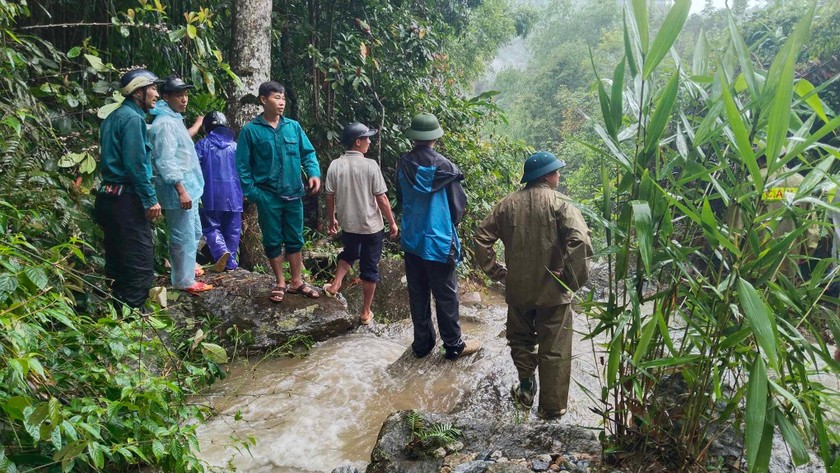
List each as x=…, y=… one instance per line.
x=671, y=124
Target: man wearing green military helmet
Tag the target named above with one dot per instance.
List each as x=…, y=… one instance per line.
x=547, y=251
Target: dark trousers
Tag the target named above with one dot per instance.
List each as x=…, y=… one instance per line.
x=427, y=278
x=221, y=233
x=129, y=250
x=367, y=248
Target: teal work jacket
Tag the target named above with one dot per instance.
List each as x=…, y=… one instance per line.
x=269, y=159
x=126, y=152
x=174, y=157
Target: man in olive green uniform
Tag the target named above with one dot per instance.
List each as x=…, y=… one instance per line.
x=547, y=250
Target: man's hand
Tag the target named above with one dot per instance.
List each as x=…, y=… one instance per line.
x=394, y=231
x=153, y=212
x=314, y=185
x=185, y=200
x=332, y=229
x=193, y=130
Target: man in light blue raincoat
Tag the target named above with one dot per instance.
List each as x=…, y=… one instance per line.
x=178, y=182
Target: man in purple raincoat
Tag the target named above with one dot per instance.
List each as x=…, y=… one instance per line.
x=221, y=212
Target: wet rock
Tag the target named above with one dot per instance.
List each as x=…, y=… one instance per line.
x=507, y=467
x=472, y=298
x=472, y=467
x=393, y=452
x=539, y=465
x=345, y=469
x=244, y=315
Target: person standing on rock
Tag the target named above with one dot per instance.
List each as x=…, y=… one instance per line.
x=221, y=211
x=270, y=154
x=178, y=182
x=547, y=251
x=433, y=203
x=356, y=191
x=126, y=201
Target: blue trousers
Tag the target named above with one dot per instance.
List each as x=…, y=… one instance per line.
x=184, y=232
x=221, y=233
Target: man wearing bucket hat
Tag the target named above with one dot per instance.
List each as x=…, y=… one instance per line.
x=433, y=203
x=356, y=192
x=179, y=182
x=126, y=199
x=547, y=251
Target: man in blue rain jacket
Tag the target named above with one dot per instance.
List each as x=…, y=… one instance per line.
x=221, y=211
x=433, y=203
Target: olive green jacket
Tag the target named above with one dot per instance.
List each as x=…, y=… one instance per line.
x=545, y=239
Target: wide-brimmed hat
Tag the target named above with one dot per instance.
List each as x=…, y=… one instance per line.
x=354, y=131
x=424, y=127
x=539, y=164
x=174, y=84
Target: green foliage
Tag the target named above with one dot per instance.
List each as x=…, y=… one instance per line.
x=86, y=390
x=707, y=304
x=426, y=438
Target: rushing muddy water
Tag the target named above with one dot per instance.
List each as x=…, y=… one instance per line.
x=325, y=410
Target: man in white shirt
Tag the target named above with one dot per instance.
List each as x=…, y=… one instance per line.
x=357, y=200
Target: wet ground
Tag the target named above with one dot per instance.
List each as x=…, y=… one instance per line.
x=323, y=411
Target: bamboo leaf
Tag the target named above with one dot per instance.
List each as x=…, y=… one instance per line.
x=756, y=410
x=616, y=96
x=613, y=361
x=741, y=134
x=644, y=340
x=662, y=114
x=744, y=58
x=762, y=322
x=628, y=50
x=640, y=15
x=644, y=232
x=667, y=35
x=779, y=86
x=806, y=89
x=699, y=61
x=803, y=416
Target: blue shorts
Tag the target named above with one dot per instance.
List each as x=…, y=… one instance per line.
x=365, y=248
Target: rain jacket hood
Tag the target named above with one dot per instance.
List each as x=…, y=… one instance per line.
x=433, y=201
x=217, y=156
x=173, y=157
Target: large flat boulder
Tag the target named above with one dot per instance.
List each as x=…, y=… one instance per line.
x=242, y=312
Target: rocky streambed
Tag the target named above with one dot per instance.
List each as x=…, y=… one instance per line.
x=358, y=401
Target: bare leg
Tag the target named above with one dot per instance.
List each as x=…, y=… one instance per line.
x=277, y=266
x=368, y=289
x=341, y=270
x=296, y=268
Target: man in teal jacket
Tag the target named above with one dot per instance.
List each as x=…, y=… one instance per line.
x=126, y=201
x=270, y=153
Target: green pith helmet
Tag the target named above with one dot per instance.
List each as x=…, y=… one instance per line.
x=137, y=79
x=539, y=164
x=424, y=127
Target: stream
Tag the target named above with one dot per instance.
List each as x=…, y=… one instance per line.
x=323, y=411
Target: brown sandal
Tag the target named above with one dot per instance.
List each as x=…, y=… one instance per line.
x=278, y=293
x=305, y=290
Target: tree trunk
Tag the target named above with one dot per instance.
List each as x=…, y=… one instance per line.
x=251, y=61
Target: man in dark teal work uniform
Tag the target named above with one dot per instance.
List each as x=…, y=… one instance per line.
x=270, y=154
x=126, y=201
